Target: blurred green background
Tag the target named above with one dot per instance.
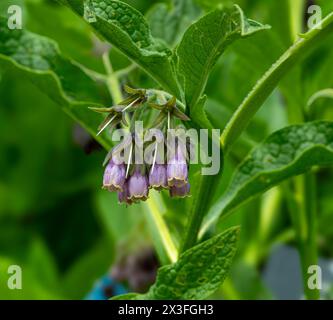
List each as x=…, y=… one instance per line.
x=65, y=232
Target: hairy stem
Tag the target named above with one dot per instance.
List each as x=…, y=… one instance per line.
x=112, y=80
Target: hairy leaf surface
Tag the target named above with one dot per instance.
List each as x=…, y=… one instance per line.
x=204, y=42
x=126, y=29
x=286, y=153
x=168, y=23
x=198, y=273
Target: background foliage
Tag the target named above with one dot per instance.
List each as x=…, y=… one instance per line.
x=64, y=231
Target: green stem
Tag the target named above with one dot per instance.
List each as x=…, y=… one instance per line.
x=201, y=202
x=126, y=71
x=163, y=242
x=166, y=95
x=112, y=80
x=302, y=207
x=92, y=73
x=296, y=14
x=308, y=246
x=265, y=86
x=197, y=211
x=270, y=206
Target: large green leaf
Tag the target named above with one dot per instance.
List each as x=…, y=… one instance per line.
x=61, y=79
x=168, y=23
x=204, y=42
x=286, y=153
x=126, y=29
x=197, y=274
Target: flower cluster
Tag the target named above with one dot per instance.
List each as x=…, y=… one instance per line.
x=134, y=186
x=132, y=179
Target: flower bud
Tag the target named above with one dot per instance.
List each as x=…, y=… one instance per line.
x=138, y=186
x=158, y=177
x=180, y=192
x=114, y=176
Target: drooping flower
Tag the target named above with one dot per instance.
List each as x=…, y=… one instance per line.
x=158, y=177
x=138, y=186
x=114, y=176
x=123, y=196
x=177, y=170
x=180, y=192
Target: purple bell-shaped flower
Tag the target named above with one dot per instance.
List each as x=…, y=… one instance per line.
x=177, y=170
x=138, y=186
x=180, y=192
x=158, y=177
x=114, y=176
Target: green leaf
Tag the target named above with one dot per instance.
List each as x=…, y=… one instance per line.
x=127, y=296
x=126, y=29
x=168, y=23
x=204, y=42
x=198, y=114
x=42, y=265
x=62, y=80
x=286, y=153
x=41, y=16
x=198, y=273
x=266, y=85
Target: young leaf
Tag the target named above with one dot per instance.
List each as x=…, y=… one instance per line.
x=126, y=29
x=198, y=273
x=326, y=93
x=198, y=114
x=62, y=80
x=169, y=24
x=204, y=42
x=286, y=153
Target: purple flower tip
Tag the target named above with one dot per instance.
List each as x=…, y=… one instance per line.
x=180, y=192
x=123, y=196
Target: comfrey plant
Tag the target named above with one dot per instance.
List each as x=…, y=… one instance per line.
x=166, y=161
x=170, y=55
